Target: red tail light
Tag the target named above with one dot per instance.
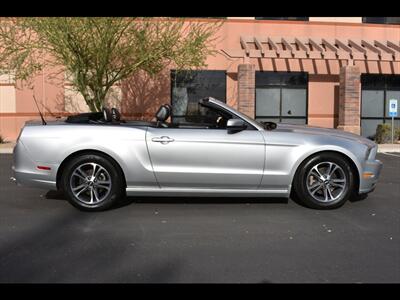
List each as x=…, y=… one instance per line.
x=43, y=168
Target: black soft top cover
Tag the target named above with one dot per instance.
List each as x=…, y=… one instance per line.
x=85, y=117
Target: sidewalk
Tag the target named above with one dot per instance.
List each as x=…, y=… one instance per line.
x=389, y=148
x=7, y=148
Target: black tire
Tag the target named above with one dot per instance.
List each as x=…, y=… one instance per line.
x=301, y=182
x=111, y=195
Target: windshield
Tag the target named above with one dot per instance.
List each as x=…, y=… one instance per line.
x=264, y=125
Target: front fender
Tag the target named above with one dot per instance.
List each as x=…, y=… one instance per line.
x=354, y=157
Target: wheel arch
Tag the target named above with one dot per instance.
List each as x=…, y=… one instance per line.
x=71, y=156
x=353, y=165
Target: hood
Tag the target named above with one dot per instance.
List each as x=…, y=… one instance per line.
x=304, y=129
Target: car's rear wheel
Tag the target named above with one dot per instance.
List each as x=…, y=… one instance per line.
x=324, y=181
x=92, y=182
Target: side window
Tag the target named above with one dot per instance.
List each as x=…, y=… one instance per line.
x=205, y=117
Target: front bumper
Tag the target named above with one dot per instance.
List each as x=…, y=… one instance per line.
x=370, y=175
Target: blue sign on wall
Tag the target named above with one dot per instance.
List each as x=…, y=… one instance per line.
x=392, y=108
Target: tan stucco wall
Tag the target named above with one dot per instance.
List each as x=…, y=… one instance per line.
x=323, y=99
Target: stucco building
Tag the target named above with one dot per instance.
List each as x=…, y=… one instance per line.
x=334, y=72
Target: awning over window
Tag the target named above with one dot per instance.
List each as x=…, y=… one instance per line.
x=316, y=48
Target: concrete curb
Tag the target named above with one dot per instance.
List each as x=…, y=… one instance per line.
x=5, y=151
x=382, y=148
x=7, y=148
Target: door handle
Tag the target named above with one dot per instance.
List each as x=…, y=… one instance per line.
x=162, y=140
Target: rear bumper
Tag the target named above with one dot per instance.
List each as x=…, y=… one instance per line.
x=25, y=170
x=373, y=169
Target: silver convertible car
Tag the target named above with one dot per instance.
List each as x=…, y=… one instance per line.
x=97, y=158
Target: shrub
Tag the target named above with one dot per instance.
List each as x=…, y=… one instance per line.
x=2, y=140
x=384, y=134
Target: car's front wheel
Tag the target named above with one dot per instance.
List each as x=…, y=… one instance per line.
x=92, y=182
x=325, y=181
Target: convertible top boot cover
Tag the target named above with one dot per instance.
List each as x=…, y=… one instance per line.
x=85, y=117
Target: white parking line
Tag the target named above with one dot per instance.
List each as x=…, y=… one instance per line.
x=390, y=154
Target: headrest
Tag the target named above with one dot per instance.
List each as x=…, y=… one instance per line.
x=163, y=113
x=115, y=115
x=107, y=114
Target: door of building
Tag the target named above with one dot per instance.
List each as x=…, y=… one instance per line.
x=282, y=97
x=376, y=91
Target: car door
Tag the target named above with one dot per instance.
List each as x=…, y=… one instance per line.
x=206, y=158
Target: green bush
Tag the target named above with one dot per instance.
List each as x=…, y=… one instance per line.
x=384, y=134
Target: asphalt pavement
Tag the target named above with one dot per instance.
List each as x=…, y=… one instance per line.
x=200, y=240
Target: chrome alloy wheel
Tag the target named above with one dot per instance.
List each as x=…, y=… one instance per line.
x=326, y=182
x=90, y=183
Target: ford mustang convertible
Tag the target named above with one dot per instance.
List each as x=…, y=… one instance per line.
x=96, y=159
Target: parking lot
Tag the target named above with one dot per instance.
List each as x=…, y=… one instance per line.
x=204, y=240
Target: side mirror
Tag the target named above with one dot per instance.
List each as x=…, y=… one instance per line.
x=235, y=125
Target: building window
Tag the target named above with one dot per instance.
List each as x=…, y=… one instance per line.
x=376, y=91
x=188, y=87
x=283, y=18
x=282, y=97
x=7, y=94
x=381, y=20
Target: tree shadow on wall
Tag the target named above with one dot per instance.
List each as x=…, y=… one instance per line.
x=143, y=94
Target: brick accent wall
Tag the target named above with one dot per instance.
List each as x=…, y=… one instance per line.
x=246, y=89
x=349, y=99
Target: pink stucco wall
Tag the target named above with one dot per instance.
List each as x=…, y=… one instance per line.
x=142, y=95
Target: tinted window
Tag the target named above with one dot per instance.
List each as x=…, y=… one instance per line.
x=188, y=87
x=368, y=127
x=294, y=102
x=372, y=81
x=381, y=20
x=269, y=100
x=372, y=103
x=292, y=79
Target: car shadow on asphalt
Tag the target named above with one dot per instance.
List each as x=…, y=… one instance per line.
x=57, y=195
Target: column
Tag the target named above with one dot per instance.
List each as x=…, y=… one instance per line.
x=246, y=89
x=349, y=99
